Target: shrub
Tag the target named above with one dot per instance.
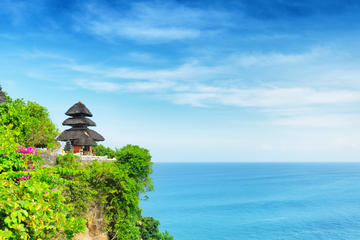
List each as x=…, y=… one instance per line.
x=27, y=124
x=78, y=192
x=32, y=204
x=137, y=162
x=149, y=230
x=100, y=150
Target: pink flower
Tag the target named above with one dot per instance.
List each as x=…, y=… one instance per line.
x=23, y=155
x=5, y=153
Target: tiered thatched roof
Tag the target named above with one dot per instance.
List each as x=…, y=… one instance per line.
x=79, y=134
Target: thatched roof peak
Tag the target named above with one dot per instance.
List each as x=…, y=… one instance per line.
x=2, y=96
x=79, y=109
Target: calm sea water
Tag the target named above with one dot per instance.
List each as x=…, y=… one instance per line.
x=257, y=201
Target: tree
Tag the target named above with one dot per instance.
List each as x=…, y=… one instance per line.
x=149, y=230
x=29, y=123
x=138, y=163
x=100, y=150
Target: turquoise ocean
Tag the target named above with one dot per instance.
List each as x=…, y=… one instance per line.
x=256, y=201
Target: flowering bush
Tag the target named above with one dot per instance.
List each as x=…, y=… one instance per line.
x=32, y=203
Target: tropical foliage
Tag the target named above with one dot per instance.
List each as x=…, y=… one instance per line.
x=119, y=184
x=100, y=150
x=150, y=231
x=32, y=203
x=27, y=124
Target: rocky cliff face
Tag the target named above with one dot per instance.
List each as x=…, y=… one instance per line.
x=94, y=226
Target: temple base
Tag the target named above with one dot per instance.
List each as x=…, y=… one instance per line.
x=84, y=150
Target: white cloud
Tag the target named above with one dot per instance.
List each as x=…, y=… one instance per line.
x=289, y=91
x=321, y=121
x=141, y=86
x=203, y=85
x=274, y=58
x=266, y=98
x=138, y=86
x=231, y=68
x=44, y=55
x=148, y=21
x=98, y=86
x=142, y=57
x=159, y=33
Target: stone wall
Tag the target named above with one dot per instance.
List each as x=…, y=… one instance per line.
x=50, y=157
x=88, y=159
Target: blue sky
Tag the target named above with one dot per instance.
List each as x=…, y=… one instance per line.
x=254, y=80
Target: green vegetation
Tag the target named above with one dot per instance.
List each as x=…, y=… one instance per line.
x=27, y=124
x=100, y=150
x=149, y=230
x=32, y=201
x=39, y=202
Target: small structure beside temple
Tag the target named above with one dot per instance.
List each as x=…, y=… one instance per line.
x=79, y=138
x=2, y=96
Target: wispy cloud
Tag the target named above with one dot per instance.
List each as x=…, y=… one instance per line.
x=217, y=83
x=138, y=86
x=303, y=100
x=148, y=21
x=225, y=69
x=14, y=10
x=97, y=85
x=321, y=121
x=38, y=54
x=278, y=97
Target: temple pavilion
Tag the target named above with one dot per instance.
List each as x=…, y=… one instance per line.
x=79, y=137
x=2, y=96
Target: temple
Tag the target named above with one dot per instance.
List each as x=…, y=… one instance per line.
x=79, y=138
x=2, y=96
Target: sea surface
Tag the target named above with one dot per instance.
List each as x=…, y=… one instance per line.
x=256, y=201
